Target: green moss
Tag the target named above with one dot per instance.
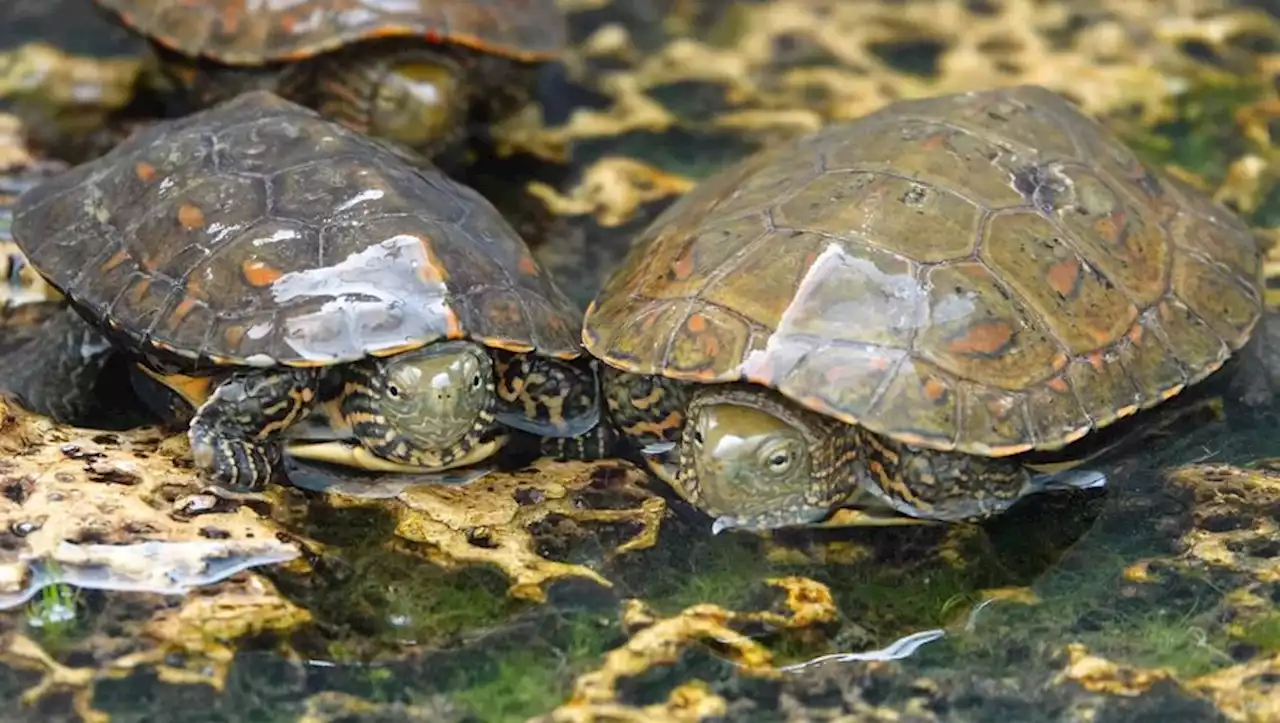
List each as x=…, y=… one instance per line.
x=374, y=594
x=1203, y=136
x=523, y=682
x=1264, y=633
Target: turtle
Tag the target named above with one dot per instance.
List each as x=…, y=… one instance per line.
x=271, y=267
x=413, y=71
x=47, y=354
x=910, y=309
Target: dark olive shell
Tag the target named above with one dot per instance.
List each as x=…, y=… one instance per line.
x=258, y=233
x=987, y=272
x=249, y=32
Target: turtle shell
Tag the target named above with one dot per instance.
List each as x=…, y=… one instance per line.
x=249, y=32
x=988, y=272
x=258, y=233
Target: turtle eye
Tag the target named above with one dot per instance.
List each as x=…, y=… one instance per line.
x=697, y=437
x=778, y=459
x=779, y=462
x=393, y=391
x=476, y=381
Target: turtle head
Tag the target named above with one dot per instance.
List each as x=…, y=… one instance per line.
x=436, y=396
x=418, y=102
x=755, y=461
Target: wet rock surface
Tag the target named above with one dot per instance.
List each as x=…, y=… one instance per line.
x=568, y=592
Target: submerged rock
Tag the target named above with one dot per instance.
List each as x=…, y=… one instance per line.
x=500, y=519
x=103, y=510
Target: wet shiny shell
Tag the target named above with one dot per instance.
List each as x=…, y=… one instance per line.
x=258, y=233
x=250, y=32
x=990, y=273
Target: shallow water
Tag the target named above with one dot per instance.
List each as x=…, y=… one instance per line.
x=1154, y=597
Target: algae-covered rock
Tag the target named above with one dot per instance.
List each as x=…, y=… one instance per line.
x=497, y=598
x=504, y=519
x=105, y=511
x=658, y=642
x=184, y=643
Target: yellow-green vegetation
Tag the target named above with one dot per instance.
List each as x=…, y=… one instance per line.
x=53, y=616
x=1203, y=136
x=521, y=682
x=375, y=597
x=416, y=604
x=1263, y=632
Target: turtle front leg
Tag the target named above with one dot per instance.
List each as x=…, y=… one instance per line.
x=600, y=442
x=234, y=432
x=944, y=486
x=546, y=397
x=649, y=413
x=410, y=95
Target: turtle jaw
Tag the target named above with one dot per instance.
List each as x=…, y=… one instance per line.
x=754, y=461
x=347, y=453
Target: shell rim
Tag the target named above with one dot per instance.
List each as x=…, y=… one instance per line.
x=337, y=41
x=591, y=340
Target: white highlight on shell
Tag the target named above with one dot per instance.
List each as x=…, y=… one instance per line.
x=284, y=234
x=372, y=194
x=376, y=298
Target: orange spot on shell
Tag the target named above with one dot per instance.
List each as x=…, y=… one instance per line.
x=139, y=291
x=683, y=267
x=527, y=266
x=1102, y=336
x=1110, y=226
x=190, y=216
x=1064, y=276
x=184, y=307
x=879, y=363
x=1060, y=360
x=116, y=259
x=697, y=323
x=1059, y=385
x=144, y=171
x=259, y=274
x=232, y=14
x=934, y=142
x=986, y=338
x=934, y=390
x=1000, y=407
x=1135, y=333
x=233, y=336
x=1095, y=360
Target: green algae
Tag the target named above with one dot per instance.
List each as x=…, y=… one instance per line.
x=1263, y=632
x=377, y=600
x=520, y=683
x=1202, y=137
x=373, y=596
x=54, y=617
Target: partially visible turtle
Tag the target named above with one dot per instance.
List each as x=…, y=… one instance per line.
x=413, y=71
x=49, y=358
x=912, y=305
x=267, y=265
